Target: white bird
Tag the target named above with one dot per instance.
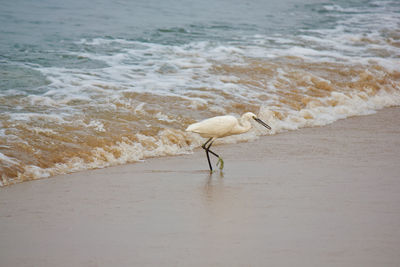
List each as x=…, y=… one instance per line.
x=221, y=126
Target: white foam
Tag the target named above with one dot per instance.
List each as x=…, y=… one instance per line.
x=37, y=100
x=139, y=108
x=338, y=8
x=102, y=41
x=163, y=117
x=8, y=160
x=347, y=105
x=97, y=125
x=55, y=118
x=44, y=131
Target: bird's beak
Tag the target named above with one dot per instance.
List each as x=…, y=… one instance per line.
x=262, y=123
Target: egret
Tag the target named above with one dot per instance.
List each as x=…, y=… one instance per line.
x=221, y=126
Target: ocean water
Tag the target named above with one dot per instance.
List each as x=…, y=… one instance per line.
x=99, y=83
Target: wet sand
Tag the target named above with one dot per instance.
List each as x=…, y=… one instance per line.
x=325, y=196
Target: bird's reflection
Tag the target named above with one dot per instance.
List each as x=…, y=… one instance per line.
x=222, y=198
x=214, y=186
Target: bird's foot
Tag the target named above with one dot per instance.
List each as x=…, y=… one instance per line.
x=221, y=163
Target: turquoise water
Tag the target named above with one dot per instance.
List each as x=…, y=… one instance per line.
x=46, y=32
x=92, y=84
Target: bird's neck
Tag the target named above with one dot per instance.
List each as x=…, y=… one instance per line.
x=242, y=127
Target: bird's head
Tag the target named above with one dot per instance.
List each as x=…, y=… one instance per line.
x=250, y=115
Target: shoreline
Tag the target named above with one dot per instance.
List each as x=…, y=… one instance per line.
x=320, y=196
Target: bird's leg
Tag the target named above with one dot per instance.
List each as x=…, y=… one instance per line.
x=208, y=156
x=204, y=145
x=220, y=160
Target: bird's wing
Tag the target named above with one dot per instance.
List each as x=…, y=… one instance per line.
x=214, y=127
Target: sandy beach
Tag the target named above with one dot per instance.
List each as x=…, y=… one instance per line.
x=323, y=196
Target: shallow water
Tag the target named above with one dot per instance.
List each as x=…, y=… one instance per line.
x=92, y=85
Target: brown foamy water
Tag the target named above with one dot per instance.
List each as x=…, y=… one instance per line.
x=291, y=92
